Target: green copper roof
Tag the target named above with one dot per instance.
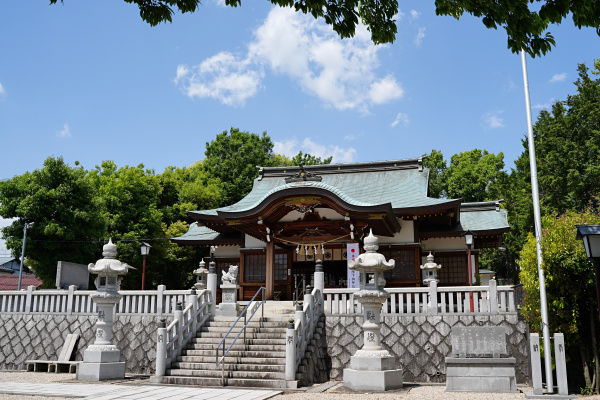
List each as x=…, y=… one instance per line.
x=201, y=235
x=402, y=183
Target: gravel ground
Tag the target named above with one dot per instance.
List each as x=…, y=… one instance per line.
x=336, y=392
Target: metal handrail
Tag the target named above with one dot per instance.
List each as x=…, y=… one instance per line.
x=297, y=289
x=246, y=322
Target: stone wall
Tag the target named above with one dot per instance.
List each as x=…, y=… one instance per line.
x=41, y=337
x=421, y=343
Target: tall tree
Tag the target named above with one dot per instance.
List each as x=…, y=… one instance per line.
x=525, y=21
x=281, y=160
x=233, y=157
x=570, y=291
x=61, y=202
x=437, y=167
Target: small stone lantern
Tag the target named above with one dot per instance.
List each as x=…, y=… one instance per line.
x=101, y=360
x=201, y=276
x=372, y=367
x=430, y=270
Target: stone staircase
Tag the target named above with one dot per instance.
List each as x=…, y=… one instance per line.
x=258, y=363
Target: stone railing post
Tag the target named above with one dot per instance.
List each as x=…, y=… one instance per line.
x=179, y=318
x=493, y=300
x=320, y=284
x=301, y=316
x=433, y=298
x=193, y=300
x=309, y=302
x=160, y=300
x=291, y=340
x=29, y=299
x=211, y=284
x=70, y=299
x=161, y=348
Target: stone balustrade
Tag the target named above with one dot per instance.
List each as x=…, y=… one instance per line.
x=78, y=302
x=432, y=300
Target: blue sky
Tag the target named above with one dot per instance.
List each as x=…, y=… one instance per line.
x=90, y=81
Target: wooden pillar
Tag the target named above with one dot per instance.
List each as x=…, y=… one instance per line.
x=270, y=269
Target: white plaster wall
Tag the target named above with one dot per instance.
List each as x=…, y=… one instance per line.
x=227, y=251
x=253, y=243
x=406, y=234
x=440, y=244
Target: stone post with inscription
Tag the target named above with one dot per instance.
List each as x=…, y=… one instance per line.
x=372, y=367
x=101, y=360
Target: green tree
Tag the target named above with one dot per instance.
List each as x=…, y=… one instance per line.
x=525, y=21
x=129, y=201
x=570, y=290
x=281, y=160
x=437, y=167
x=233, y=158
x=474, y=175
x=61, y=202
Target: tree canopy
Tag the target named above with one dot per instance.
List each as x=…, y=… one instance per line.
x=525, y=22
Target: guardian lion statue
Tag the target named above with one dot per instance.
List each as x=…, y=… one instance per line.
x=231, y=275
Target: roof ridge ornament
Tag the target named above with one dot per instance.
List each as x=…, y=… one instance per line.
x=303, y=176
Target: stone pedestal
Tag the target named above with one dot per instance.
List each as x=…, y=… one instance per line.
x=229, y=306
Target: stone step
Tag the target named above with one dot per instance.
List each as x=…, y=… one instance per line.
x=240, y=328
x=217, y=382
x=233, y=367
x=233, y=353
x=217, y=373
x=238, y=346
x=228, y=341
x=239, y=325
x=255, y=335
x=233, y=360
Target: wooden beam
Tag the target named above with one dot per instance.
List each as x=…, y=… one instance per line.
x=270, y=269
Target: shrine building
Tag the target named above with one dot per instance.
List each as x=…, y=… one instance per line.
x=295, y=215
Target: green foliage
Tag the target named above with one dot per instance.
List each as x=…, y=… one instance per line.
x=60, y=201
x=570, y=282
x=233, y=158
x=437, y=166
x=525, y=21
x=281, y=160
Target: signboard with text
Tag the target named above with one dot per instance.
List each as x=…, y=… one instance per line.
x=353, y=276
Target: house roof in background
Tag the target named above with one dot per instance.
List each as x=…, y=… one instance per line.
x=11, y=282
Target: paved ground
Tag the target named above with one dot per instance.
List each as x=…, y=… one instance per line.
x=18, y=385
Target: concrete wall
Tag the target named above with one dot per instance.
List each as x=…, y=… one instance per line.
x=26, y=337
x=420, y=344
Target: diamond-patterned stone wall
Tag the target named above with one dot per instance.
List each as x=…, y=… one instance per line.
x=41, y=337
x=421, y=343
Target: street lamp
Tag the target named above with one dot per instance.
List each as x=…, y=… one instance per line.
x=145, y=249
x=590, y=234
x=25, y=227
x=469, y=241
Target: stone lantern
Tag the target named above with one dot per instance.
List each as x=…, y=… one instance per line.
x=372, y=367
x=101, y=360
x=201, y=276
x=430, y=270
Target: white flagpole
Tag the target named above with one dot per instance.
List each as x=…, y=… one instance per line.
x=538, y=232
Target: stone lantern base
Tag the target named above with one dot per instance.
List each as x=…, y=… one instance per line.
x=101, y=365
x=373, y=373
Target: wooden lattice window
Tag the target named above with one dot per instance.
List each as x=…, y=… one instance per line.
x=454, y=271
x=405, y=259
x=255, y=267
x=281, y=267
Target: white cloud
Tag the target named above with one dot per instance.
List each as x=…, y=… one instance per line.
x=350, y=137
x=385, y=90
x=4, y=222
x=221, y=3
x=65, y=132
x=492, y=119
x=338, y=72
x=558, y=77
x=2, y=92
x=544, y=106
x=223, y=77
x=414, y=14
x=401, y=119
x=420, y=36
x=290, y=148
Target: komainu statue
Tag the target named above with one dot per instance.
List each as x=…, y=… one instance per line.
x=231, y=275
